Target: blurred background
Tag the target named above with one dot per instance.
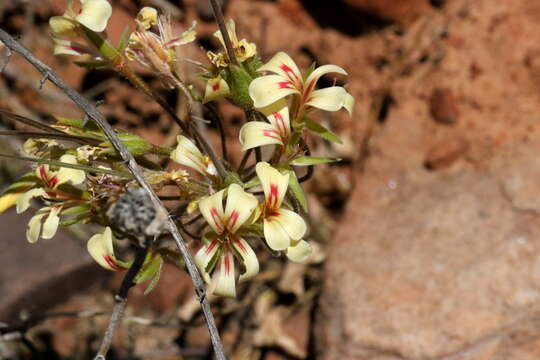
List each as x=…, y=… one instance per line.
x=426, y=235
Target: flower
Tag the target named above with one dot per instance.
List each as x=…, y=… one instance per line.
x=50, y=180
x=258, y=133
x=67, y=47
x=216, y=87
x=227, y=244
x=157, y=51
x=94, y=14
x=283, y=229
x=100, y=247
x=286, y=80
x=243, y=49
x=187, y=154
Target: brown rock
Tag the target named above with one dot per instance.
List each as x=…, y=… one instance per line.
x=445, y=152
x=401, y=11
x=443, y=106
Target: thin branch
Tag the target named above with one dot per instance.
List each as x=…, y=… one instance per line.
x=311, y=168
x=40, y=135
x=218, y=15
x=244, y=161
x=120, y=300
x=96, y=116
x=218, y=121
x=37, y=124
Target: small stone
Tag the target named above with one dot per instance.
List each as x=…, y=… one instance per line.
x=445, y=153
x=443, y=106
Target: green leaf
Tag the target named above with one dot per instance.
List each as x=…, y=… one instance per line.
x=123, y=42
x=74, y=220
x=103, y=45
x=154, y=280
x=152, y=265
x=23, y=184
x=76, y=210
x=322, y=131
x=297, y=191
x=253, y=182
x=312, y=160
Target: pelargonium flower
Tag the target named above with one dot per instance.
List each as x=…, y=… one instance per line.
x=243, y=49
x=225, y=244
x=258, y=133
x=285, y=79
x=187, y=154
x=156, y=50
x=94, y=14
x=100, y=247
x=216, y=88
x=50, y=180
x=283, y=228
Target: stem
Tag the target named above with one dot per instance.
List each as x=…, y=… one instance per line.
x=92, y=112
x=218, y=15
x=244, y=161
x=40, y=135
x=219, y=124
x=311, y=168
x=121, y=301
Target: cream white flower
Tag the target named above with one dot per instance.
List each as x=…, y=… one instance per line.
x=283, y=228
x=187, y=154
x=50, y=180
x=243, y=49
x=215, y=88
x=286, y=79
x=258, y=133
x=93, y=14
x=227, y=244
x=100, y=247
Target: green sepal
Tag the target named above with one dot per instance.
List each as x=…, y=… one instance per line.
x=23, y=184
x=77, y=123
x=238, y=80
x=76, y=210
x=135, y=144
x=297, y=191
x=74, y=220
x=151, y=270
x=311, y=160
x=322, y=131
x=124, y=40
x=212, y=263
x=251, y=65
x=252, y=183
x=106, y=49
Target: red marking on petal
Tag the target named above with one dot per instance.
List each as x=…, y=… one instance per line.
x=273, y=197
x=53, y=181
x=215, y=87
x=285, y=85
x=210, y=247
x=233, y=218
x=271, y=134
x=280, y=124
x=227, y=261
x=240, y=246
x=112, y=263
x=289, y=72
x=272, y=214
x=43, y=174
x=217, y=219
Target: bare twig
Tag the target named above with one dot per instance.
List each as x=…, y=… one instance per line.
x=218, y=121
x=131, y=164
x=120, y=300
x=218, y=15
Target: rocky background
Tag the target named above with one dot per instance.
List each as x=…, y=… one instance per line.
x=428, y=234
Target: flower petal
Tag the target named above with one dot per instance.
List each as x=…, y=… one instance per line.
x=240, y=205
x=291, y=222
x=320, y=71
x=204, y=256
x=231, y=30
x=276, y=237
x=215, y=88
x=147, y=17
x=211, y=208
x=66, y=174
x=282, y=64
x=268, y=89
x=50, y=226
x=258, y=133
x=187, y=154
x=8, y=200
x=23, y=203
x=225, y=285
x=61, y=25
x=274, y=184
x=34, y=228
x=299, y=252
x=95, y=14
x=100, y=247
x=64, y=47
x=280, y=121
x=248, y=258
x=331, y=99
x=185, y=38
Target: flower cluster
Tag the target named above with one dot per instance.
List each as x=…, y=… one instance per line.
x=239, y=209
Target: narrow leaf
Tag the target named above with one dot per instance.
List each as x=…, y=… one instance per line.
x=297, y=190
x=322, y=131
x=311, y=160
